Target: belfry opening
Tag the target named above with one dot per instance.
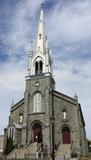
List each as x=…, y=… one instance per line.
x=38, y=67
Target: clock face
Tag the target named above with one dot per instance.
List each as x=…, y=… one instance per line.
x=37, y=84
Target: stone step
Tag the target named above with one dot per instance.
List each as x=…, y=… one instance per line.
x=84, y=158
x=63, y=150
x=62, y=158
x=30, y=150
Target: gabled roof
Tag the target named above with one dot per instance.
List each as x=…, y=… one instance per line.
x=81, y=115
x=17, y=105
x=64, y=97
x=71, y=100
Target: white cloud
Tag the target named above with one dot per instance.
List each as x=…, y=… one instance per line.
x=21, y=26
x=70, y=24
x=12, y=83
x=20, y=33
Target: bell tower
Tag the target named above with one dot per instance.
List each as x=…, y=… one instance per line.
x=40, y=60
x=39, y=86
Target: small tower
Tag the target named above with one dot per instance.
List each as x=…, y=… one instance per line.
x=31, y=52
x=40, y=60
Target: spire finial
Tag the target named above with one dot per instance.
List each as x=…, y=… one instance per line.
x=12, y=103
x=31, y=42
x=75, y=97
x=31, y=47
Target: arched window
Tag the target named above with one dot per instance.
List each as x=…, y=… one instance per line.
x=64, y=114
x=21, y=118
x=37, y=102
x=11, y=131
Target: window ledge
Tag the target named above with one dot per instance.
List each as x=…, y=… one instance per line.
x=64, y=120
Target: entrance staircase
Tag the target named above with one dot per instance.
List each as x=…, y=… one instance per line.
x=84, y=158
x=28, y=151
x=63, y=152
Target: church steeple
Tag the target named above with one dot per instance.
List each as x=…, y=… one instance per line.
x=41, y=32
x=40, y=62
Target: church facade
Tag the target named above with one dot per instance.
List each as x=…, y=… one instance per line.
x=44, y=115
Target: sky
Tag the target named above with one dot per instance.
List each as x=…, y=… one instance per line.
x=68, y=28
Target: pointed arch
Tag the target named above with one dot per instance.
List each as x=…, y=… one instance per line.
x=21, y=118
x=38, y=67
x=64, y=114
x=11, y=132
x=37, y=132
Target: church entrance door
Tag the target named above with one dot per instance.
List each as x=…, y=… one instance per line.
x=37, y=133
x=66, y=135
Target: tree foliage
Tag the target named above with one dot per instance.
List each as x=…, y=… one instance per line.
x=9, y=146
x=89, y=145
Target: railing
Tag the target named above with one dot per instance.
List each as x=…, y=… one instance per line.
x=71, y=148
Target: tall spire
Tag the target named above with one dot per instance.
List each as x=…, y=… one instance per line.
x=40, y=60
x=41, y=32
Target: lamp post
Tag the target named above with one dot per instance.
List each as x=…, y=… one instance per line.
x=52, y=119
x=53, y=143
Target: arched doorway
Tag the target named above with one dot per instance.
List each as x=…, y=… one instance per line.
x=37, y=133
x=66, y=135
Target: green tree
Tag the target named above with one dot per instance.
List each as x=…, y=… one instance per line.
x=89, y=145
x=9, y=146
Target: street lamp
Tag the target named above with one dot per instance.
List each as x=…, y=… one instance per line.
x=53, y=141
x=52, y=119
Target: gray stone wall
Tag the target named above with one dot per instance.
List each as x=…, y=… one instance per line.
x=61, y=103
x=1, y=143
x=83, y=140
x=18, y=136
x=15, y=113
x=45, y=85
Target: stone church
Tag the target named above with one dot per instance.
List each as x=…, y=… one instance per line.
x=45, y=122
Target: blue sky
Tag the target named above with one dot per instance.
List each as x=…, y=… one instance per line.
x=68, y=27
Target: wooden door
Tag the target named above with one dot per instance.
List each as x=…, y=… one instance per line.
x=37, y=133
x=66, y=135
